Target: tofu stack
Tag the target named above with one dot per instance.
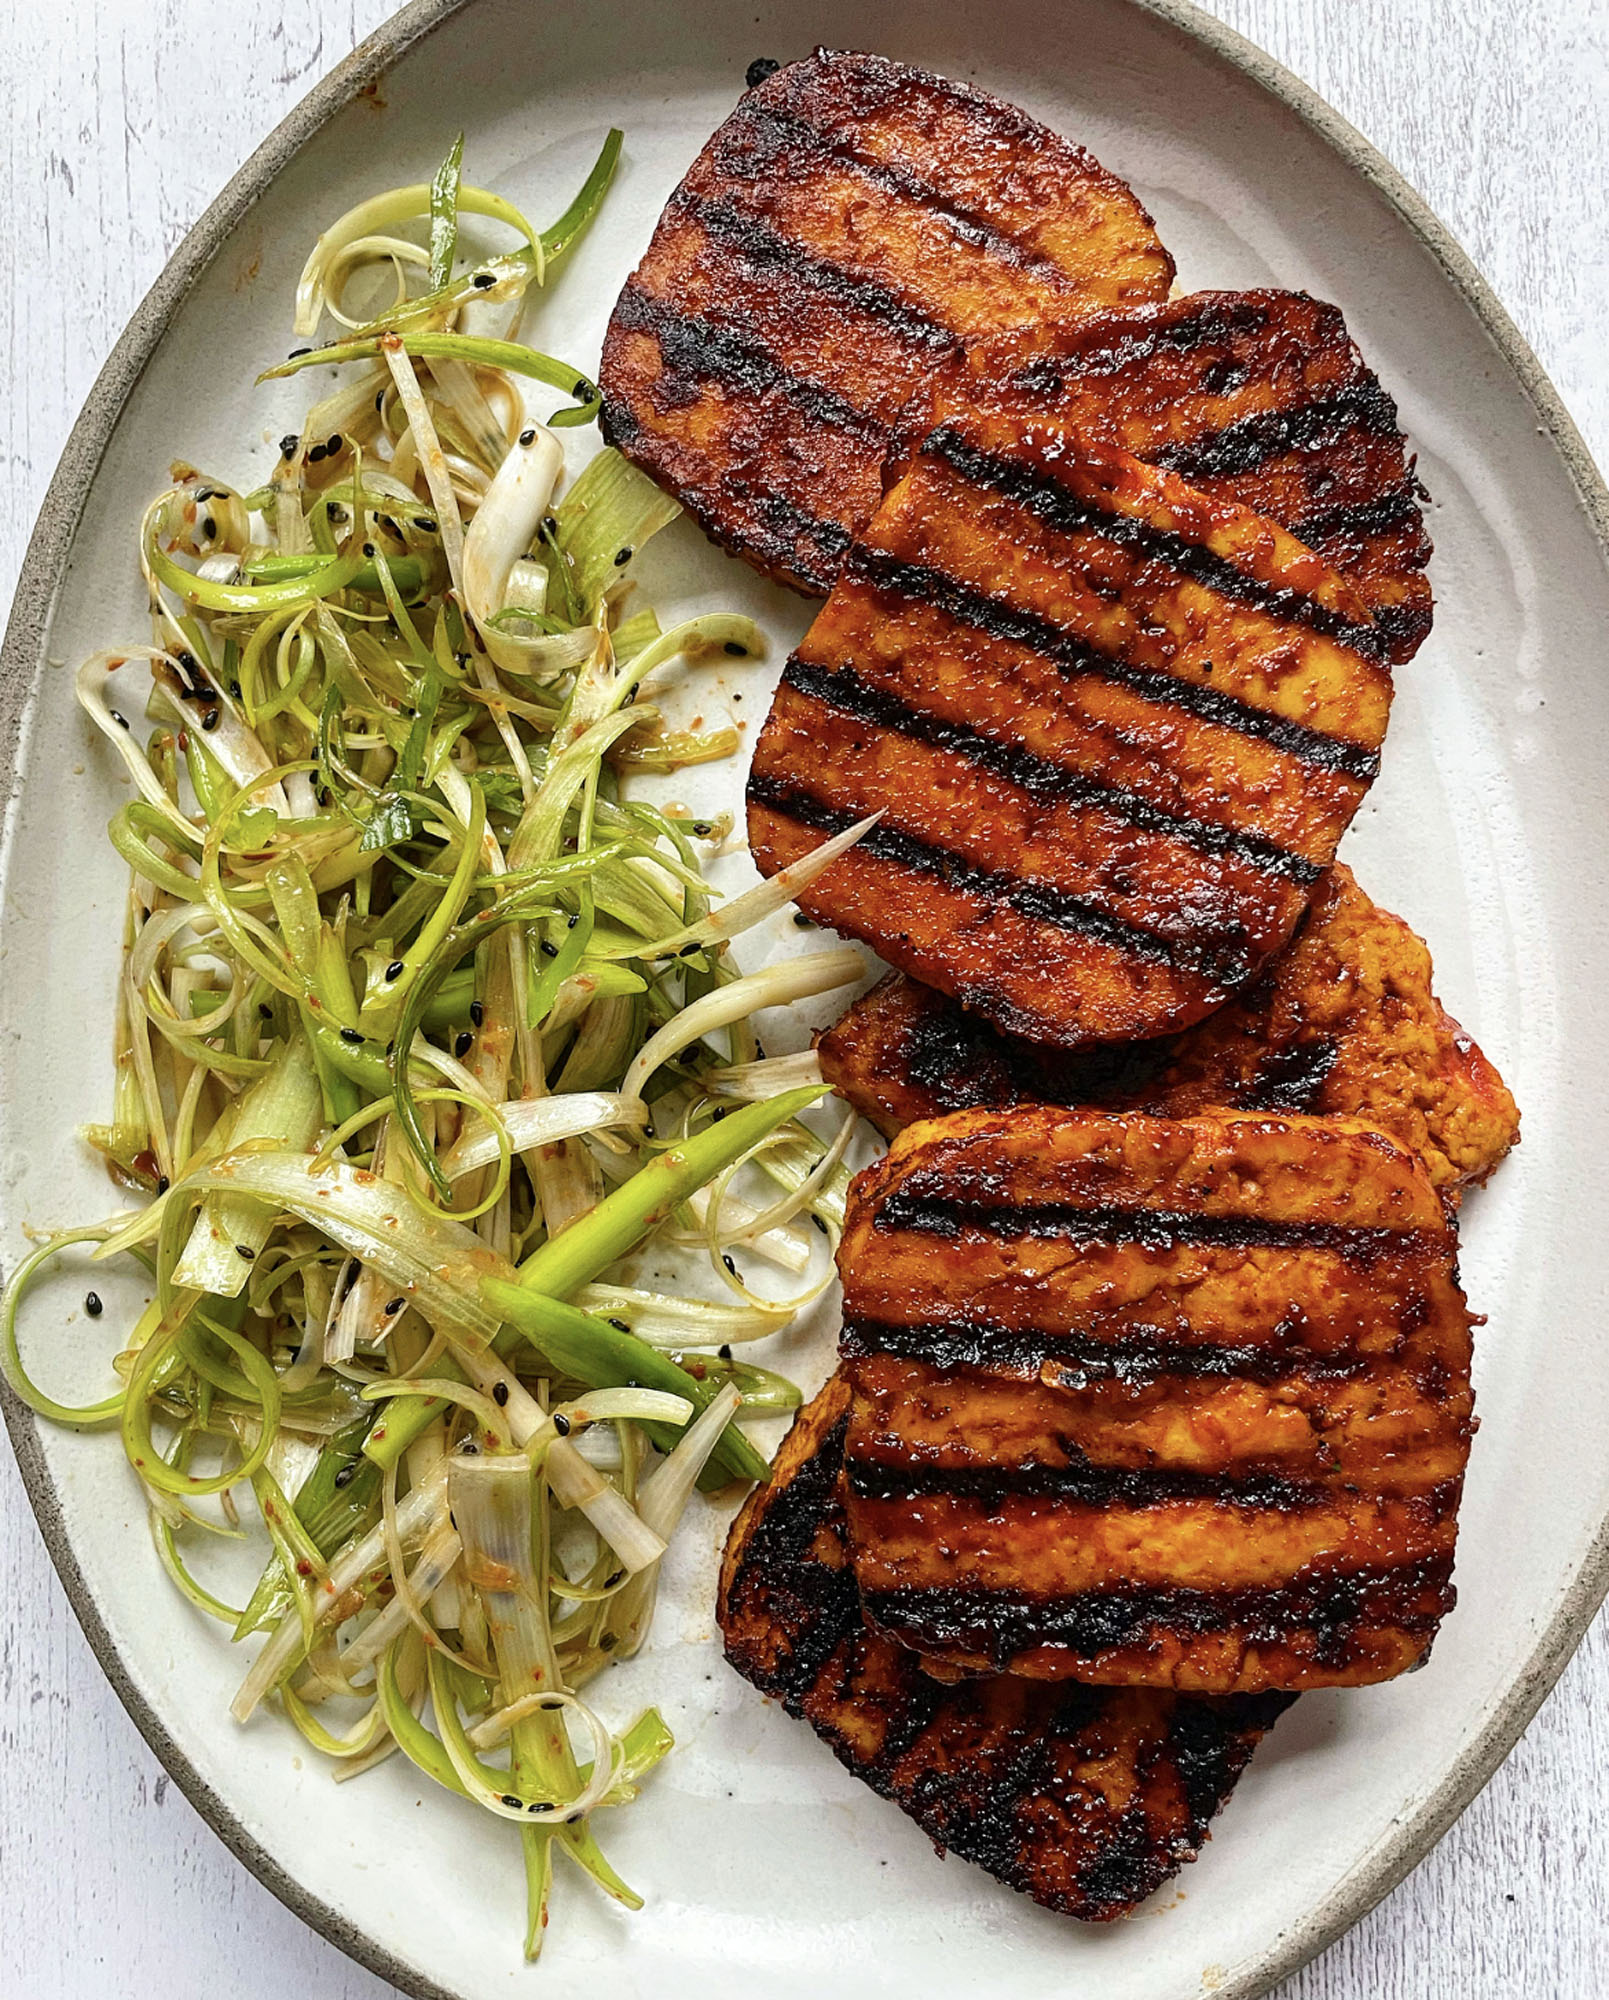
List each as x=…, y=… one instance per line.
x=1170, y=1402
x=1113, y=728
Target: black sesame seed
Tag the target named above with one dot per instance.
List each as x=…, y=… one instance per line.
x=549, y=949
x=297, y=351
x=265, y=1010
x=395, y=969
x=607, y=1643
x=561, y=1424
x=510, y=1800
x=351, y=1035
x=614, y=1577
x=737, y=652
x=802, y=921
x=424, y=524
x=347, y=1474
x=325, y=796
x=528, y=436
x=729, y=1265
x=471, y=1450
x=245, y=1250
x=816, y=1219
x=92, y=1304
x=622, y=557
x=120, y=720
x=379, y=399
x=234, y=689
x=333, y=443
x=316, y=453
x=464, y=1043
x=209, y=527
x=477, y=1013
x=623, y=1324
x=368, y=548
x=759, y=70
x=499, y=1393
x=162, y=1183
x=582, y=388
x=210, y=720
x=724, y=1351
x=702, y=829
x=484, y=281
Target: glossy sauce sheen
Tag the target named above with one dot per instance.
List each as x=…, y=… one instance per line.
x=853, y=227
x=1178, y=1403
x=1258, y=397
x=1085, y=1798
x=1115, y=729
x=1344, y=1022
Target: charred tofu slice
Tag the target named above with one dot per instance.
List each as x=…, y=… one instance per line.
x=1115, y=729
x=1344, y=1023
x=1180, y=1403
x=848, y=231
x=1257, y=397
x=1085, y=1798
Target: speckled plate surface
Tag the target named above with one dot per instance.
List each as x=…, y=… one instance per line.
x=766, y=1867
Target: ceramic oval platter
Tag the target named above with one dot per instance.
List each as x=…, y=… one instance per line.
x=767, y=1868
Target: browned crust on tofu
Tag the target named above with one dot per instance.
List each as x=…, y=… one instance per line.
x=1085, y=1798
x=849, y=229
x=1344, y=1022
x=1260, y=397
x=1115, y=729
x=1169, y=1402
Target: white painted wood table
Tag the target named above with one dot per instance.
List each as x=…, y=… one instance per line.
x=119, y=121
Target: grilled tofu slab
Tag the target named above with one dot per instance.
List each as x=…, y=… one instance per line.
x=1085, y=1798
x=1115, y=729
x=1179, y=1403
x=1258, y=397
x=848, y=231
x=1345, y=1022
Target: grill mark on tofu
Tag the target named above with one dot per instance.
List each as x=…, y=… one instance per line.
x=970, y=226
x=1263, y=398
x=1051, y=500
x=1085, y=1798
x=1151, y=1228
x=715, y=354
x=1344, y=1021
x=767, y=250
x=1244, y=446
x=1133, y=1362
x=844, y=690
x=1224, y=961
x=1157, y=1402
x=997, y=618
x=1340, y=1609
x=1092, y=1485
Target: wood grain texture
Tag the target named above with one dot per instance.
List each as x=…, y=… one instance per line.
x=118, y=121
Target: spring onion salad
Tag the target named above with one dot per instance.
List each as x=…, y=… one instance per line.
x=428, y=1038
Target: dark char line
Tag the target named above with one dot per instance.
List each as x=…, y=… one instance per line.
x=1151, y=1228
x=997, y=618
x=1336, y=1605
x=1223, y=960
x=844, y=689
x=1066, y=511
x=1133, y=1360
x=765, y=249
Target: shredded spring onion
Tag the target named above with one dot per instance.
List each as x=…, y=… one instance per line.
x=425, y=1028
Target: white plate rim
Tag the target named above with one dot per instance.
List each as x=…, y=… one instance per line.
x=21, y=651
